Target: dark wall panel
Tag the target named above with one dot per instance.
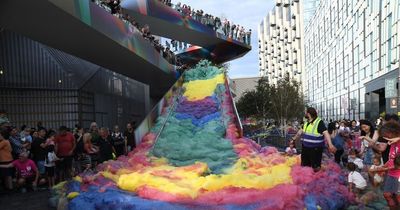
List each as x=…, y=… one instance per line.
x=39, y=83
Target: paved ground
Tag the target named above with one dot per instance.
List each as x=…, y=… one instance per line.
x=24, y=201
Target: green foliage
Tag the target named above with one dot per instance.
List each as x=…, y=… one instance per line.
x=256, y=103
x=281, y=102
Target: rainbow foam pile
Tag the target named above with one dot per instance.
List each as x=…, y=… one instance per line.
x=199, y=162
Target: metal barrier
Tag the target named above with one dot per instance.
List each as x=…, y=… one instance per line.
x=278, y=141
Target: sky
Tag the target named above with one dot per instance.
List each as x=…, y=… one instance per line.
x=248, y=13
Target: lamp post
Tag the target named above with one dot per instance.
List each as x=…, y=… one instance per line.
x=348, y=101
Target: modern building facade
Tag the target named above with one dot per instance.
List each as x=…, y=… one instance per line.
x=280, y=37
x=352, y=58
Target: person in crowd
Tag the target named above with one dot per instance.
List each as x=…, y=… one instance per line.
x=114, y=6
x=232, y=31
x=290, y=129
x=27, y=172
x=130, y=136
x=342, y=126
x=313, y=136
x=291, y=149
x=89, y=148
x=65, y=146
x=26, y=135
x=50, y=164
x=4, y=121
x=39, y=125
x=379, y=122
x=51, y=138
x=357, y=183
x=106, y=150
x=38, y=150
x=354, y=134
x=146, y=31
x=119, y=142
x=5, y=159
x=368, y=137
x=377, y=177
x=353, y=158
x=178, y=7
x=248, y=37
x=34, y=134
x=338, y=141
x=382, y=145
x=174, y=45
x=90, y=156
x=391, y=132
x=18, y=146
x=354, y=128
x=94, y=131
x=79, y=149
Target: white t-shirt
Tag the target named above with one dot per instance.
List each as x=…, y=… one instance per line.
x=357, y=179
x=51, y=159
x=377, y=177
x=359, y=163
x=291, y=151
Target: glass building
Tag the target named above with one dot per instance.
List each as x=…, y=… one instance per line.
x=352, y=58
x=280, y=41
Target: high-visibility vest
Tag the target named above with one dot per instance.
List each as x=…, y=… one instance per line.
x=311, y=137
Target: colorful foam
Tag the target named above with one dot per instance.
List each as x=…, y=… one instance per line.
x=200, y=162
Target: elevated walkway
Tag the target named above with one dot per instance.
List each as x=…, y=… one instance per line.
x=83, y=29
x=166, y=22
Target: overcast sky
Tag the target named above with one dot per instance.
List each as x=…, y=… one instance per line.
x=248, y=13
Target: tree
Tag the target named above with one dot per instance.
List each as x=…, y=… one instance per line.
x=281, y=102
x=287, y=101
x=256, y=103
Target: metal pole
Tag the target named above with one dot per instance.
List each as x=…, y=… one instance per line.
x=348, y=101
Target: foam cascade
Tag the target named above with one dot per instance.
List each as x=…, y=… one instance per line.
x=199, y=161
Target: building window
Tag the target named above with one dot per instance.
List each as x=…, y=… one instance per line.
x=389, y=42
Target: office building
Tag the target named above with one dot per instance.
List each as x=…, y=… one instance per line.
x=352, y=58
x=280, y=41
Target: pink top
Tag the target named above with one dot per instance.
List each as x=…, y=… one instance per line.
x=394, y=151
x=25, y=169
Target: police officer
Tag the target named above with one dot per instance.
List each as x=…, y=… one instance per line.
x=313, y=136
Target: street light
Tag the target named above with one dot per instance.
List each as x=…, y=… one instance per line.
x=348, y=100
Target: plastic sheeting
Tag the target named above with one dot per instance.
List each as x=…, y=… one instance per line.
x=199, y=162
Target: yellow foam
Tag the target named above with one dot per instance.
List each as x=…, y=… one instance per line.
x=199, y=89
x=252, y=173
x=72, y=195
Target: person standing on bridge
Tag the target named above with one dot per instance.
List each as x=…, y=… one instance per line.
x=313, y=133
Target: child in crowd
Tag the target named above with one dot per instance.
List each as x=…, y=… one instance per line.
x=357, y=183
x=51, y=139
x=86, y=164
x=50, y=164
x=376, y=176
x=291, y=150
x=356, y=160
x=27, y=172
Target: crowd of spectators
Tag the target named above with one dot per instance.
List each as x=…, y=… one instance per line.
x=32, y=158
x=224, y=26
x=370, y=154
x=113, y=6
x=171, y=47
